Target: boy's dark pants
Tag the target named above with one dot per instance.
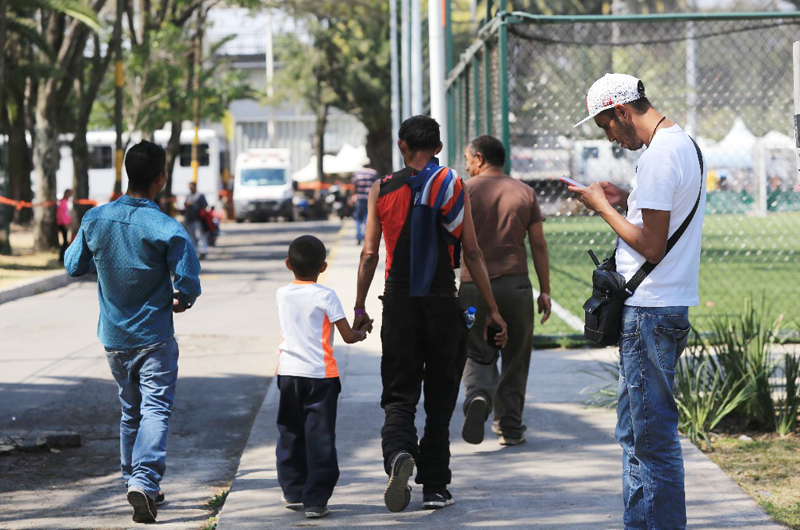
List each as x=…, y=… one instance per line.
x=307, y=464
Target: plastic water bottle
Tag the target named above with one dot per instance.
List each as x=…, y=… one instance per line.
x=469, y=317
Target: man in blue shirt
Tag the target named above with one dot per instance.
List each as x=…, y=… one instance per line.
x=140, y=256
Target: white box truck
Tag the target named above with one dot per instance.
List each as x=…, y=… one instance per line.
x=262, y=187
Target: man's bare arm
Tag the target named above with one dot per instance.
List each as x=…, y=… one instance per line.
x=369, y=256
x=650, y=241
x=541, y=263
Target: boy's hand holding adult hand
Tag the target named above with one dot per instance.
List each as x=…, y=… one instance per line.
x=493, y=318
x=362, y=321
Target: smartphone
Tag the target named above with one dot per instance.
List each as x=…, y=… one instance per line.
x=566, y=180
x=491, y=331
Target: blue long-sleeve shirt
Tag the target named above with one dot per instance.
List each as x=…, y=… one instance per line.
x=140, y=255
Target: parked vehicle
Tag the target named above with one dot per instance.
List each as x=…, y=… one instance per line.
x=263, y=188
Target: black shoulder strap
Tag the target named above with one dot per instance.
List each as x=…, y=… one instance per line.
x=396, y=180
x=648, y=267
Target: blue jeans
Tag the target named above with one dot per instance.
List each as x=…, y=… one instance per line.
x=652, y=341
x=360, y=216
x=146, y=379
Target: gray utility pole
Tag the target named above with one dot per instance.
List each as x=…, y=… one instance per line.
x=796, y=50
x=395, y=83
x=119, y=82
x=691, y=79
x=270, y=63
x=416, y=58
x=436, y=20
x=405, y=57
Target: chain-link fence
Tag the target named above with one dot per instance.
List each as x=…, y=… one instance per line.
x=726, y=79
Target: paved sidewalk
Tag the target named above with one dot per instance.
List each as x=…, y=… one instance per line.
x=567, y=475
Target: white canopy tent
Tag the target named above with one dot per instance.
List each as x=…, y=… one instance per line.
x=349, y=159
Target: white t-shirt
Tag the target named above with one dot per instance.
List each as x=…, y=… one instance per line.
x=307, y=311
x=667, y=179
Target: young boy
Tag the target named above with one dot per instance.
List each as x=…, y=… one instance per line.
x=308, y=380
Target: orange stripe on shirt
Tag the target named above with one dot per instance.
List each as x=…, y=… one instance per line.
x=436, y=185
x=327, y=347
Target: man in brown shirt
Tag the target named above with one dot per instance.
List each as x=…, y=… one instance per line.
x=504, y=212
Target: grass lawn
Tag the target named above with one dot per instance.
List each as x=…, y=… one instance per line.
x=742, y=256
x=768, y=468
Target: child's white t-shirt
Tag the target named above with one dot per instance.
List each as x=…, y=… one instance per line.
x=307, y=311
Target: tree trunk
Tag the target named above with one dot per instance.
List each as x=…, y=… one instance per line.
x=5, y=211
x=319, y=140
x=173, y=150
x=45, y=164
x=80, y=174
x=379, y=151
x=19, y=162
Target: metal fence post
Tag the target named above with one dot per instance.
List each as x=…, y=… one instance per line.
x=503, y=75
x=476, y=100
x=487, y=82
x=796, y=61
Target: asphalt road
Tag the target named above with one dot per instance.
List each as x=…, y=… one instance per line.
x=54, y=377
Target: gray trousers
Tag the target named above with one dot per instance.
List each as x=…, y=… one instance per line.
x=504, y=388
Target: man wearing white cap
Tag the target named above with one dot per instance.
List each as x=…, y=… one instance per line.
x=667, y=195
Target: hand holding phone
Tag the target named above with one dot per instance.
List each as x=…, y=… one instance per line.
x=570, y=182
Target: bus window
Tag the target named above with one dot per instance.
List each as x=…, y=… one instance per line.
x=101, y=157
x=186, y=155
x=590, y=152
x=618, y=152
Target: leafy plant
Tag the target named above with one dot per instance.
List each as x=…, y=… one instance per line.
x=605, y=396
x=788, y=405
x=704, y=394
x=743, y=346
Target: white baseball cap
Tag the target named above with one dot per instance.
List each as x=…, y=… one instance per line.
x=609, y=91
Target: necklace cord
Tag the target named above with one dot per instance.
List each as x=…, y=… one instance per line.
x=656, y=128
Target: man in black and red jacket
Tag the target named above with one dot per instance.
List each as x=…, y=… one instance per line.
x=424, y=217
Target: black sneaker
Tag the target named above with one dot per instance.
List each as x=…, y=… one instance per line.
x=433, y=500
x=160, y=499
x=315, y=512
x=398, y=492
x=477, y=412
x=144, y=508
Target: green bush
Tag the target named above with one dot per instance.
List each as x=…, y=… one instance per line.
x=743, y=345
x=704, y=394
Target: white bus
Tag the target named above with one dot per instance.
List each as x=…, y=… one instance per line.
x=212, y=157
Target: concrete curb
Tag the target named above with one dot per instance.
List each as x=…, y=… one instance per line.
x=56, y=280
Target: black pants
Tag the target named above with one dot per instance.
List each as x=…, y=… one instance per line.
x=424, y=345
x=504, y=389
x=64, y=242
x=308, y=467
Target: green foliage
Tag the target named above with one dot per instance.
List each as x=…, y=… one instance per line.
x=788, y=404
x=606, y=396
x=703, y=393
x=743, y=345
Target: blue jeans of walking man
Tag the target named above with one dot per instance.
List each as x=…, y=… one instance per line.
x=652, y=341
x=146, y=379
x=360, y=216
